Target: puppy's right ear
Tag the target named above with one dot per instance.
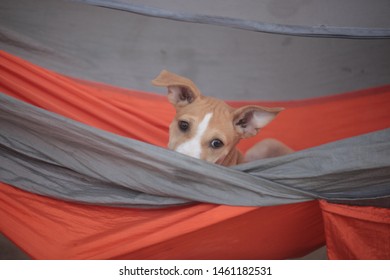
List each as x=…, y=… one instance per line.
x=181, y=91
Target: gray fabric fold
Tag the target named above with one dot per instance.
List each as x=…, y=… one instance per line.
x=252, y=25
x=48, y=154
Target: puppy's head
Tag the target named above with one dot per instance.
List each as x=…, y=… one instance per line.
x=205, y=127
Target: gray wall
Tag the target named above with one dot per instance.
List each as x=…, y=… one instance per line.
x=128, y=50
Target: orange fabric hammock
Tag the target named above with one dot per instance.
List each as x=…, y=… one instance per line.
x=47, y=228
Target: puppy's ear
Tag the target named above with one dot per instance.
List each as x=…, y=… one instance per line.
x=248, y=120
x=181, y=91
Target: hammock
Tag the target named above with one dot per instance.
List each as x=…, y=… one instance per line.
x=80, y=162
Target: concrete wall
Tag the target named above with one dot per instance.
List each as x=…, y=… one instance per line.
x=128, y=50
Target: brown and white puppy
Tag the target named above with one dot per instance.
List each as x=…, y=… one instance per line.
x=209, y=129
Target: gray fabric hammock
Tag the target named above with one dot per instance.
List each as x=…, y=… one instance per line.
x=48, y=154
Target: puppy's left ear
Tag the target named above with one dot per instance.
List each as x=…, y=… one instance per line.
x=181, y=91
x=248, y=120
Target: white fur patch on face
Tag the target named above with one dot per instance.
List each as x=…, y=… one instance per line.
x=193, y=147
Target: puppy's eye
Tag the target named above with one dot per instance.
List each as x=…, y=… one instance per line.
x=216, y=144
x=183, y=125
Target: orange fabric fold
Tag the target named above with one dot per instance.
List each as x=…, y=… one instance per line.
x=356, y=232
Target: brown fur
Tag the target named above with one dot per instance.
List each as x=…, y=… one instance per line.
x=227, y=124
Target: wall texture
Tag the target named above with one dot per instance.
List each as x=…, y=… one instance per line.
x=128, y=50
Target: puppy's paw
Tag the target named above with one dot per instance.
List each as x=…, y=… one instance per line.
x=267, y=148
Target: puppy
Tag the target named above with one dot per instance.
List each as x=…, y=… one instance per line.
x=207, y=128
